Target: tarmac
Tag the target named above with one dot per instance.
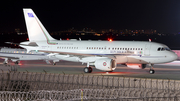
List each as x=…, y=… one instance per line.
x=169, y=71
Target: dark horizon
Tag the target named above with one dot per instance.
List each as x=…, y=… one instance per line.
x=161, y=15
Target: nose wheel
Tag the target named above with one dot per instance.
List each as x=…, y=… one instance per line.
x=87, y=69
x=151, y=71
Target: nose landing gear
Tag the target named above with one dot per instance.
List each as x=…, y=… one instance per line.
x=151, y=71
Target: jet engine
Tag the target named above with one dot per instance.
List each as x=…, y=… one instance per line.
x=105, y=64
x=136, y=66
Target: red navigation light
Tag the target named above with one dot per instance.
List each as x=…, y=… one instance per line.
x=109, y=39
x=67, y=38
x=27, y=39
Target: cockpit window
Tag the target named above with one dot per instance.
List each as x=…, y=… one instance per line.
x=163, y=49
x=166, y=48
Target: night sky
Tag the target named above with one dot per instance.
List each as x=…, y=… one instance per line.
x=162, y=15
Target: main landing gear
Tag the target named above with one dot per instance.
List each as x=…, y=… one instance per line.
x=14, y=67
x=87, y=69
x=54, y=63
x=151, y=71
x=16, y=62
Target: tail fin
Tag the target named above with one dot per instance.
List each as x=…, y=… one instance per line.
x=36, y=31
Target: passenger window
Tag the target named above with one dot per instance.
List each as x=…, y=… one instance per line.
x=158, y=49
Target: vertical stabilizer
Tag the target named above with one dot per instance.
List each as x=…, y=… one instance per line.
x=36, y=31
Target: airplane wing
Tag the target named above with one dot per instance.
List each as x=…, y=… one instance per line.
x=70, y=54
x=9, y=57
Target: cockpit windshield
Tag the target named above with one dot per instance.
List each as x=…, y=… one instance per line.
x=163, y=49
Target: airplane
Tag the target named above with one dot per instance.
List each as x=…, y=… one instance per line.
x=103, y=55
x=16, y=55
x=178, y=53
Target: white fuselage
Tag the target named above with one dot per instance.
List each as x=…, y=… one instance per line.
x=121, y=51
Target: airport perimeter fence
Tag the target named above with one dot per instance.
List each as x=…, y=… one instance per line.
x=61, y=87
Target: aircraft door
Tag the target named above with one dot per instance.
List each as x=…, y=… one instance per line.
x=147, y=50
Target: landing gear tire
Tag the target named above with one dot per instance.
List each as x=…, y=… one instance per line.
x=16, y=62
x=90, y=69
x=54, y=63
x=151, y=71
x=87, y=70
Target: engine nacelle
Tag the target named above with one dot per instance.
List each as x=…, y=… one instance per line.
x=136, y=66
x=105, y=64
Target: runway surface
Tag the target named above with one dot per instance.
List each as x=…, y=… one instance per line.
x=162, y=71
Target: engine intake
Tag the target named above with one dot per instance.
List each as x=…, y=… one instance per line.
x=105, y=64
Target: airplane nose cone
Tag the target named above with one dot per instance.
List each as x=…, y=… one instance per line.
x=173, y=56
